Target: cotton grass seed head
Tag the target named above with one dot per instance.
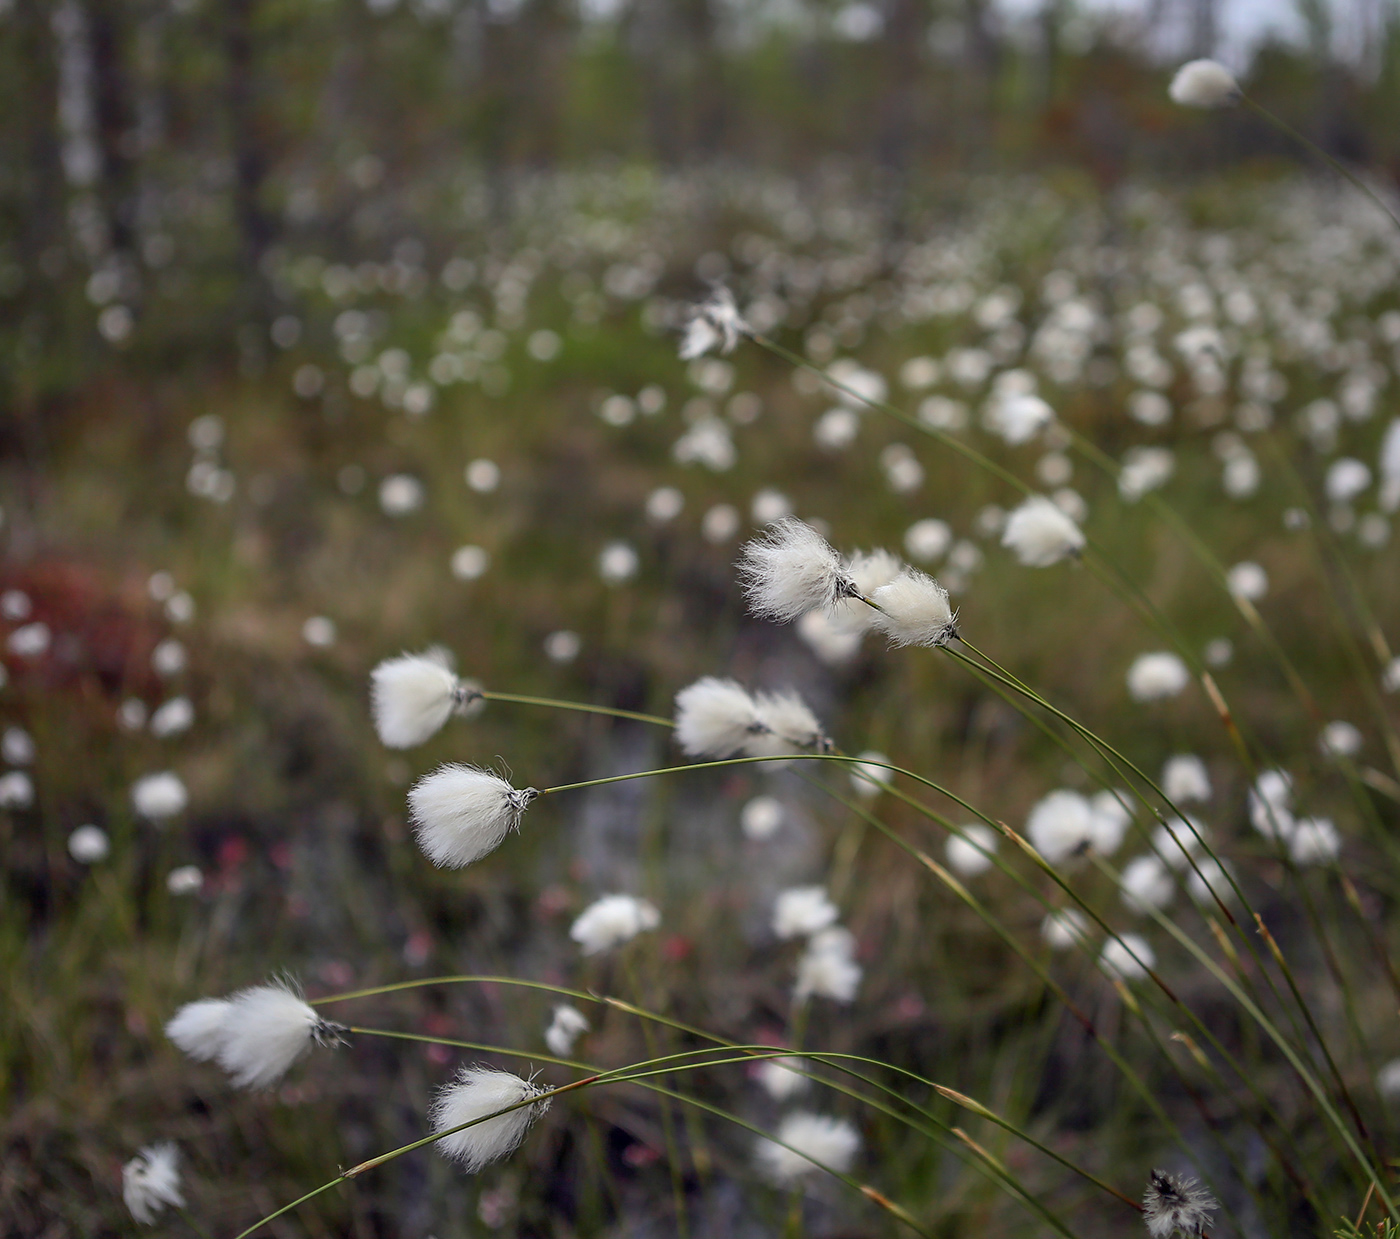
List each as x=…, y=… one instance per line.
x=462, y=813
x=1127, y=957
x=809, y=1142
x=970, y=852
x=1153, y=677
x=151, y=1182
x=1204, y=84
x=780, y=1078
x=803, y=911
x=715, y=718
x=713, y=324
x=869, y=571
x=791, y=569
x=785, y=724
x=567, y=1026
x=827, y=968
x=1176, y=1204
x=255, y=1034
x=474, y=1094
x=159, y=796
x=611, y=921
x=1041, y=534
x=1060, y=825
x=1185, y=779
x=413, y=695
x=914, y=610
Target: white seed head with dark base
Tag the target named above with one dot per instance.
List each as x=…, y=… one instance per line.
x=715, y=718
x=475, y=1093
x=1041, y=534
x=785, y=725
x=1204, y=84
x=1175, y=1203
x=462, y=813
x=713, y=324
x=151, y=1182
x=413, y=695
x=791, y=569
x=914, y=610
x=265, y=1030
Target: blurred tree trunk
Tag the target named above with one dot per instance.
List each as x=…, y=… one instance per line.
x=1205, y=27
x=246, y=143
x=984, y=63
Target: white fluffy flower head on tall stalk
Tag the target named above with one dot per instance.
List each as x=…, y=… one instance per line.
x=611, y=921
x=1041, y=534
x=462, y=813
x=1061, y=825
x=413, y=695
x=803, y=911
x=475, y=1094
x=791, y=569
x=809, y=1142
x=255, y=1034
x=151, y=1182
x=869, y=571
x=914, y=610
x=1175, y=1204
x=715, y=718
x=567, y=1026
x=1155, y=676
x=714, y=323
x=785, y=723
x=1204, y=84
x=827, y=968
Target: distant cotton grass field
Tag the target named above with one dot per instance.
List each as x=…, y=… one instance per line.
x=1150, y=447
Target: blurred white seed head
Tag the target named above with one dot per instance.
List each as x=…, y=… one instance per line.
x=714, y=324
x=159, y=796
x=1179, y=838
x=151, y=1182
x=791, y=569
x=474, y=1094
x=1209, y=881
x=914, y=610
x=827, y=968
x=1173, y=1204
x=1388, y=1079
x=198, y=1028
x=785, y=724
x=715, y=718
x=16, y=747
x=175, y=716
x=1204, y=84
x=869, y=775
x=611, y=921
x=1060, y=825
x=1110, y=819
x=832, y=644
x=89, y=844
x=809, y=1142
x=1313, y=841
x=184, y=880
x=1041, y=534
x=567, y=1026
x=1127, y=957
x=761, y=818
x=413, y=695
x=1062, y=929
x=780, y=1078
x=971, y=852
x=16, y=790
x=265, y=1029
x=1340, y=739
x=462, y=813
x=1155, y=676
x=1185, y=779
x=802, y=911
x=869, y=571
x=1146, y=883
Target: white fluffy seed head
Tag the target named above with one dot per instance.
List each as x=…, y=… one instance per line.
x=1127, y=957
x=1111, y=817
x=265, y=1030
x=791, y=569
x=461, y=813
x=914, y=610
x=869, y=571
x=826, y=968
x=803, y=911
x=159, y=796
x=809, y=1142
x=780, y=1078
x=1041, y=534
x=611, y=921
x=475, y=1093
x=1185, y=779
x=1173, y=1204
x=785, y=724
x=1178, y=839
x=1060, y=825
x=413, y=695
x=1313, y=841
x=715, y=718
x=1204, y=84
x=567, y=1026
x=198, y=1028
x=1155, y=676
x=971, y=852
x=151, y=1181
x=1062, y=929
x=1146, y=883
